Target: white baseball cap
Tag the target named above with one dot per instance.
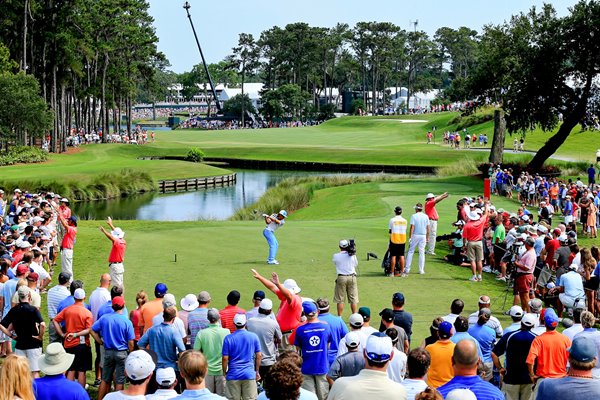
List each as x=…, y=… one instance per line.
x=529, y=319
x=429, y=196
x=169, y=300
x=165, y=376
x=139, y=365
x=356, y=320
x=379, y=347
x=266, y=304
x=239, y=320
x=352, y=339
x=516, y=311
x=79, y=294
x=344, y=243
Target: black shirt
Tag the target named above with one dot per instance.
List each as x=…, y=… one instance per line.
x=25, y=320
x=516, y=345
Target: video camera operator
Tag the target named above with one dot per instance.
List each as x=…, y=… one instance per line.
x=524, y=274
x=509, y=240
x=345, y=284
x=455, y=239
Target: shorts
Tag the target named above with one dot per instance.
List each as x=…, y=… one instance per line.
x=475, y=251
x=499, y=252
x=397, y=249
x=523, y=283
x=32, y=356
x=83, y=358
x=546, y=276
x=570, y=302
x=114, y=363
x=345, y=285
x=592, y=284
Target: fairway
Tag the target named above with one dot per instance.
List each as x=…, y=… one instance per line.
x=218, y=256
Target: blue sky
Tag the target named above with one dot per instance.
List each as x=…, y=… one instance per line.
x=218, y=23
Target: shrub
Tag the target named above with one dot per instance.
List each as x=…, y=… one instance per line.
x=356, y=105
x=195, y=155
x=22, y=154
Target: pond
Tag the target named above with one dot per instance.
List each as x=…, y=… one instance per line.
x=209, y=204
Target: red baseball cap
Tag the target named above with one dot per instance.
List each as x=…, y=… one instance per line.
x=33, y=276
x=22, y=269
x=118, y=301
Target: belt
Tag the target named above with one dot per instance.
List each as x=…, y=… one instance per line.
x=287, y=332
x=115, y=262
x=431, y=219
x=347, y=275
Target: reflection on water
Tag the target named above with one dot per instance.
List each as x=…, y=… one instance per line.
x=216, y=203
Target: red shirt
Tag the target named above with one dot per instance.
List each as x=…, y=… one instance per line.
x=551, y=248
x=117, y=253
x=227, y=315
x=430, y=210
x=473, y=231
x=288, y=315
x=17, y=255
x=69, y=239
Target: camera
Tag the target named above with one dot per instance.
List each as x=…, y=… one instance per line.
x=449, y=236
x=351, y=247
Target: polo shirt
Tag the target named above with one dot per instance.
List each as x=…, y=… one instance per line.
x=483, y=390
x=430, y=210
x=69, y=239
x=493, y=323
x=148, y=311
x=76, y=318
x=549, y=350
x=345, y=264
x=404, y=320
x=572, y=331
x=162, y=394
x=458, y=336
x=203, y=394
x=46, y=389
x=413, y=387
x=569, y=388
x=349, y=364
x=25, y=319
x=8, y=290
x=368, y=384
x=551, y=247
x=227, y=315
x=529, y=260
x=338, y=329
x=116, y=331
x=486, y=337
x=241, y=347
x=97, y=299
x=268, y=333
x=117, y=251
x=516, y=346
x=55, y=295
x=441, y=370
x=515, y=326
x=107, y=309
x=313, y=339
x=166, y=342
x=35, y=300
x=473, y=231
x=210, y=342
x=197, y=320
x=499, y=234
x=420, y=221
x=397, y=227
x=573, y=285
x=288, y=315
x=396, y=369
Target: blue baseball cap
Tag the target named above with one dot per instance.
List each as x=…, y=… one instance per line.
x=550, y=318
x=309, y=307
x=160, y=289
x=398, y=297
x=445, y=329
x=582, y=349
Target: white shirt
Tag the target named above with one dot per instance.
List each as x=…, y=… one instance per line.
x=572, y=331
x=41, y=271
x=396, y=369
x=413, y=387
x=99, y=297
x=420, y=221
x=177, y=324
x=121, y=396
x=273, y=226
x=344, y=263
x=450, y=318
x=162, y=394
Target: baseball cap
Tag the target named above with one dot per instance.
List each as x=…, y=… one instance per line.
x=563, y=238
x=529, y=319
x=64, y=277
x=283, y=213
x=22, y=269
x=550, y=318
x=397, y=209
x=118, y=301
x=445, y=329
x=165, y=376
x=525, y=217
x=352, y=339
x=292, y=286
x=356, y=320
x=429, y=196
x=542, y=229
x=418, y=206
x=266, y=304
x=204, y=297
x=23, y=292
x=573, y=267
x=79, y=294
x=516, y=311
x=139, y=365
x=365, y=312
x=460, y=222
x=398, y=297
x=309, y=307
x=23, y=244
x=169, y=301
x=344, y=243
x=259, y=295
x=33, y=277
x=556, y=231
x=379, y=347
x=239, y=320
x=387, y=314
x=500, y=210
x=160, y=289
x=535, y=305
x=64, y=200
x=582, y=349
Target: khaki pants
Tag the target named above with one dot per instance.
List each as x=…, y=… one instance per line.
x=217, y=385
x=285, y=343
x=517, y=392
x=66, y=261
x=116, y=271
x=537, y=386
x=242, y=390
x=317, y=384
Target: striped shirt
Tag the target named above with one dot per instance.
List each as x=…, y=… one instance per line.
x=197, y=320
x=398, y=230
x=227, y=315
x=55, y=296
x=166, y=342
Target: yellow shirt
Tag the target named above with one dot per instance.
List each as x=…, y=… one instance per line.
x=398, y=230
x=441, y=370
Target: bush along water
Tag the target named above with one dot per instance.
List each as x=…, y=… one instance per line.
x=105, y=186
x=22, y=155
x=295, y=193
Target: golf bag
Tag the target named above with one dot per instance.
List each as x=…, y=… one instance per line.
x=386, y=263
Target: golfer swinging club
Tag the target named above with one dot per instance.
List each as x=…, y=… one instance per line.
x=274, y=222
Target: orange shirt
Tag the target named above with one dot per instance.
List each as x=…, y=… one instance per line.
x=149, y=311
x=288, y=315
x=77, y=318
x=550, y=351
x=441, y=370
x=553, y=192
x=227, y=315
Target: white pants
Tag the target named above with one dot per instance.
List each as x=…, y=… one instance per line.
x=416, y=240
x=66, y=261
x=569, y=302
x=116, y=271
x=432, y=235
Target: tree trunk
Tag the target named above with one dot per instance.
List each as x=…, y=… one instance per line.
x=243, y=98
x=497, y=151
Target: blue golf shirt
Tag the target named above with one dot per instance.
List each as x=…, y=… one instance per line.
x=483, y=390
x=486, y=337
x=516, y=346
x=313, y=338
x=338, y=331
x=241, y=347
x=58, y=387
x=166, y=342
x=116, y=331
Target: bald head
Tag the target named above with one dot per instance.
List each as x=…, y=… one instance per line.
x=484, y=301
x=105, y=281
x=465, y=354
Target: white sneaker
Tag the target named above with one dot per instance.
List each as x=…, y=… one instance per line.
x=274, y=262
x=478, y=277
x=473, y=278
x=421, y=272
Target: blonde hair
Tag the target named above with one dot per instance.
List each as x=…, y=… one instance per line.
x=141, y=298
x=193, y=366
x=587, y=260
x=15, y=378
